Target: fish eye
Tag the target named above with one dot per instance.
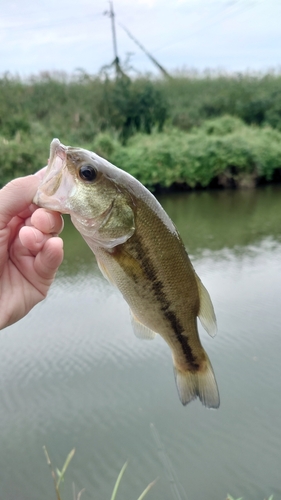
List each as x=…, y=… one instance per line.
x=87, y=173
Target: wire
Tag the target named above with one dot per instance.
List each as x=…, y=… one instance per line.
x=206, y=26
x=58, y=22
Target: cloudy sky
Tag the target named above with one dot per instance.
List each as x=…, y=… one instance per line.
x=225, y=35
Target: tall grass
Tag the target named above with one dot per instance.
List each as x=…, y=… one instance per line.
x=59, y=476
x=188, y=130
x=240, y=156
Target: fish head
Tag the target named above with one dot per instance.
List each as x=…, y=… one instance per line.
x=90, y=189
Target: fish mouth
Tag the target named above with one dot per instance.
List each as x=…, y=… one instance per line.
x=57, y=148
x=53, y=191
x=55, y=167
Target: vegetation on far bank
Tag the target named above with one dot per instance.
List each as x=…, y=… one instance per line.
x=184, y=132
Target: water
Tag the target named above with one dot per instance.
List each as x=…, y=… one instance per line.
x=73, y=374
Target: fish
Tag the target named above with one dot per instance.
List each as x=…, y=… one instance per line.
x=139, y=250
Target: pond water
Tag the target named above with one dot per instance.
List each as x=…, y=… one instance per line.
x=73, y=375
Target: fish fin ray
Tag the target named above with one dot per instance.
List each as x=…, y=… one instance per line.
x=201, y=384
x=140, y=330
x=206, y=312
x=105, y=272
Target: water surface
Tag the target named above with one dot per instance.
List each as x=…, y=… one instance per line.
x=73, y=374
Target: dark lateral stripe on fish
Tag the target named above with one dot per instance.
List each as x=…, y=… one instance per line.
x=166, y=306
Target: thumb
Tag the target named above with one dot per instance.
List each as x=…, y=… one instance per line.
x=16, y=196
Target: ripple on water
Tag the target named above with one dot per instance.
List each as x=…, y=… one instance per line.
x=73, y=374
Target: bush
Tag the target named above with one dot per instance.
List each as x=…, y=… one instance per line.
x=242, y=155
x=131, y=107
x=195, y=98
x=18, y=158
x=221, y=126
x=230, y=122
x=222, y=150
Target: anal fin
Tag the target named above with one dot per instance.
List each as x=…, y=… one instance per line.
x=206, y=312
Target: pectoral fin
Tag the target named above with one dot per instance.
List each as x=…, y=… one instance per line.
x=105, y=272
x=206, y=312
x=140, y=330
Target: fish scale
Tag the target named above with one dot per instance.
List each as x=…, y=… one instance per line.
x=139, y=251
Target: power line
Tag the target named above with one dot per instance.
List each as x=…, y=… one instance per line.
x=58, y=22
x=214, y=21
x=159, y=66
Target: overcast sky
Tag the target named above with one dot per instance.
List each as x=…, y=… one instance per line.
x=229, y=35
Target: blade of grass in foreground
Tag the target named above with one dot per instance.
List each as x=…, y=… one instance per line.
x=120, y=475
x=52, y=472
x=147, y=489
x=66, y=464
x=60, y=474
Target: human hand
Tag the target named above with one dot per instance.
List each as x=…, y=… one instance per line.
x=30, y=251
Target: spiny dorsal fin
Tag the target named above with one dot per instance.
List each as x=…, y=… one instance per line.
x=206, y=312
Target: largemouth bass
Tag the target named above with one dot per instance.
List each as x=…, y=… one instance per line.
x=139, y=250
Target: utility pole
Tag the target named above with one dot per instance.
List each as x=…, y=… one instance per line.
x=159, y=66
x=116, y=62
x=112, y=17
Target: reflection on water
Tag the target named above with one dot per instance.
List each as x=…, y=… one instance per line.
x=215, y=220
x=73, y=374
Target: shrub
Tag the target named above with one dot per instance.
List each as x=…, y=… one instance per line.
x=18, y=158
x=196, y=159
x=131, y=107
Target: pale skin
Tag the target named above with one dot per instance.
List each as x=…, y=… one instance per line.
x=30, y=249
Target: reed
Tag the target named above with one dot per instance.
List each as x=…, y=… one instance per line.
x=192, y=130
x=58, y=478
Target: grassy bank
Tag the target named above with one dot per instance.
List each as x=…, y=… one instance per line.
x=222, y=152
x=187, y=132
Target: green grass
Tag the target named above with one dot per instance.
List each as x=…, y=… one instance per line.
x=59, y=475
x=223, y=151
x=190, y=131
x=229, y=497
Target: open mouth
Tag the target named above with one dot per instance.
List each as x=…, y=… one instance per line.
x=52, y=191
x=57, y=149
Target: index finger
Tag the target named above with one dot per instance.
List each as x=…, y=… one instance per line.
x=16, y=197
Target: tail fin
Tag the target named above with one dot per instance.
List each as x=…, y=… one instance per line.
x=201, y=384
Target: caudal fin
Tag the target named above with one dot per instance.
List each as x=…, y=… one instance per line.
x=201, y=384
